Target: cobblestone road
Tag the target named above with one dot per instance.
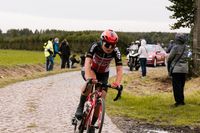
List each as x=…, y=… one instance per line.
x=44, y=105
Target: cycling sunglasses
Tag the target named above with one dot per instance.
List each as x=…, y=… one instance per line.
x=109, y=46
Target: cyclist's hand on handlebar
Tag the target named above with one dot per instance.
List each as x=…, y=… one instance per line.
x=92, y=80
x=115, y=85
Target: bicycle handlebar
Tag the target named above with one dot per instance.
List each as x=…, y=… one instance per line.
x=119, y=89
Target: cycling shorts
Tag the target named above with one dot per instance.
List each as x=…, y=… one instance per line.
x=101, y=77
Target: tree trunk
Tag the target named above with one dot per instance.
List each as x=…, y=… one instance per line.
x=196, y=40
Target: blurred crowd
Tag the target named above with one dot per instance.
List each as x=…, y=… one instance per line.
x=53, y=47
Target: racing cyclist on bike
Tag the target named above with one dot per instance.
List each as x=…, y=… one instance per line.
x=97, y=64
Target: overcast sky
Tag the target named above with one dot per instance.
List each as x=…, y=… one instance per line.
x=119, y=15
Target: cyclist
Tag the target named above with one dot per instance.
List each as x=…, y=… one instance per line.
x=97, y=64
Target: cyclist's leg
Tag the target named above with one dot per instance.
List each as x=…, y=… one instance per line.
x=86, y=89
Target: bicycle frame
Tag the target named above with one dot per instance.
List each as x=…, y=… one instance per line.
x=92, y=99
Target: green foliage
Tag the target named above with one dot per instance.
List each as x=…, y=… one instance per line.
x=79, y=41
x=183, y=12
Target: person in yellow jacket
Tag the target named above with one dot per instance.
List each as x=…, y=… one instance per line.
x=48, y=52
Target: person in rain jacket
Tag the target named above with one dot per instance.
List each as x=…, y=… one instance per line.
x=56, y=46
x=178, y=67
x=143, y=57
x=48, y=52
x=65, y=54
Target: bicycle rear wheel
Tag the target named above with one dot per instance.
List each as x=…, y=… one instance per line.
x=100, y=120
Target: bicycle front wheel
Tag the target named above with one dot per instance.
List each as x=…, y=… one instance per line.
x=100, y=120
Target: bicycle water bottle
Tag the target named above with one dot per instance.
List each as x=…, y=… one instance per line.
x=87, y=107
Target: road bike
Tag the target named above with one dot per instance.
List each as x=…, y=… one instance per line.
x=94, y=101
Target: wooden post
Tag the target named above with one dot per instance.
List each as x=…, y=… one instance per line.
x=196, y=39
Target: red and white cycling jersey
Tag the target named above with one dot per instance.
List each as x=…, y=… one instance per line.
x=101, y=60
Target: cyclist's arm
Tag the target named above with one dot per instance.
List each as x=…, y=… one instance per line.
x=88, y=61
x=119, y=71
x=88, y=70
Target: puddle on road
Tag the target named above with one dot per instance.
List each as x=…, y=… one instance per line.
x=154, y=131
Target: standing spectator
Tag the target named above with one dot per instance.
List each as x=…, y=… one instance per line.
x=178, y=68
x=143, y=57
x=48, y=52
x=73, y=60
x=56, y=46
x=65, y=54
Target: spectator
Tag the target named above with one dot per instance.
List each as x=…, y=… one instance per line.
x=65, y=54
x=143, y=57
x=178, y=68
x=48, y=52
x=73, y=60
x=56, y=46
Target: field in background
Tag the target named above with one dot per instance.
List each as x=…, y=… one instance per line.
x=22, y=57
x=19, y=65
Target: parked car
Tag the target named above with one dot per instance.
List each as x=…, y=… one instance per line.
x=156, y=55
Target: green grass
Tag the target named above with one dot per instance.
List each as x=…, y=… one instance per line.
x=22, y=57
x=154, y=109
x=13, y=61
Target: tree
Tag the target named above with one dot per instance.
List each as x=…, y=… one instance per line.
x=187, y=14
x=196, y=40
x=184, y=13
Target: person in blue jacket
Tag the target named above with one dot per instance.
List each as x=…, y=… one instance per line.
x=56, y=46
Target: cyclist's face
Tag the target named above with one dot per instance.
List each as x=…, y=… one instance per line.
x=108, y=48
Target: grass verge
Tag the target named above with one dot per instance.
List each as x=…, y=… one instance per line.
x=144, y=100
x=13, y=79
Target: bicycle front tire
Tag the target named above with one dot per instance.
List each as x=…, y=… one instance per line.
x=101, y=115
